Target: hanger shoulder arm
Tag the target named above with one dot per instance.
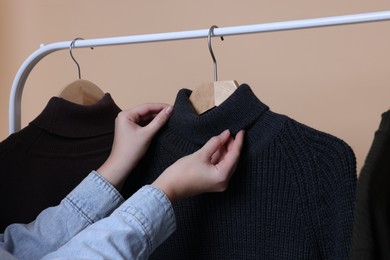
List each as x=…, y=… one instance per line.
x=208, y=95
x=223, y=90
x=82, y=92
x=202, y=97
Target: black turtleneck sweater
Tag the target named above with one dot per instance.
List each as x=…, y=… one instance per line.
x=291, y=197
x=371, y=229
x=44, y=161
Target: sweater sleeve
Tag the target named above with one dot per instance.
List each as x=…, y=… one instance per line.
x=93, y=199
x=335, y=201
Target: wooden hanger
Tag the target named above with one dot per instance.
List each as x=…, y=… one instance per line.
x=81, y=91
x=208, y=95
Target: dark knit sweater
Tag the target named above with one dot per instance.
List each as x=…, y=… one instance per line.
x=44, y=161
x=291, y=197
x=371, y=229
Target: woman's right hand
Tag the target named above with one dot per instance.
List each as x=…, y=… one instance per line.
x=134, y=131
x=207, y=170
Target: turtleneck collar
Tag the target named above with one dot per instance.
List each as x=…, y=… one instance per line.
x=67, y=119
x=385, y=122
x=238, y=112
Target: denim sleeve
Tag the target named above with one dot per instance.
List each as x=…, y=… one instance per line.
x=133, y=231
x=93, y=199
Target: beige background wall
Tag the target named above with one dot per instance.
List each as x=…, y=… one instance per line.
x=335, y=79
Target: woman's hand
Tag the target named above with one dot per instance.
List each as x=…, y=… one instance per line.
x=207, y=170
x=134, y=130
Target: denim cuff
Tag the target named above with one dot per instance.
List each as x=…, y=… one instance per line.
x=94, y=198
x=153, y=212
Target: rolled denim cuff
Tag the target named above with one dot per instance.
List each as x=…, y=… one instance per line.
x=154, y=213
x=95, y=198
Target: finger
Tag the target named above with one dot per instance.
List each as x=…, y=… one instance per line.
x=218, y=155
x=145, y=120
x=214, y=144
x=229, y=144
x=232, y=156
x=141, y=112
x=159, y=120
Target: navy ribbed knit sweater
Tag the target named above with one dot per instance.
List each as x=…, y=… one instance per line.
x=291, y=197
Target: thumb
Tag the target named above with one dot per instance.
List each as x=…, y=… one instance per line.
x=214, y=144
x=232, y=156
x=160, y=120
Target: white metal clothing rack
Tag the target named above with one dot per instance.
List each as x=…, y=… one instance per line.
x=34, y=58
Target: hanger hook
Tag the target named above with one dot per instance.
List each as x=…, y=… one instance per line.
x=211, y=33
x=71, y=54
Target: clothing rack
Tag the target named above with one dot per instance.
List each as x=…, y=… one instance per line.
x=44, y=50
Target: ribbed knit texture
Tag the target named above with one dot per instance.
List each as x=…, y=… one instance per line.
x=291, y=197
x=371, y=229
x=44, y=161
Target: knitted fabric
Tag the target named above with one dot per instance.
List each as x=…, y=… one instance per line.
x=44, y=161
x=291, y=197
x=371, y=229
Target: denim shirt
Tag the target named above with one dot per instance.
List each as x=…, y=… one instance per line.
x=94, y=222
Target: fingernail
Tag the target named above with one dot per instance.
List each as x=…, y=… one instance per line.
x=168, y=110
x=226, y=132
